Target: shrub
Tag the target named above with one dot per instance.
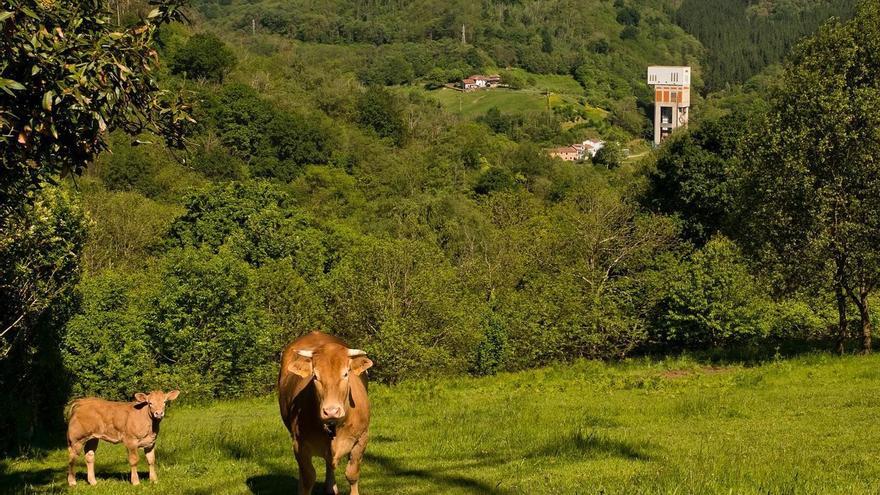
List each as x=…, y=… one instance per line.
x=711, y=301
x=628, y=16
x=126, y=229
x=629, y=33
x=253, y=220
x=494, y=179
x=379, y=109
x=491, y=354
x=298, y=140
x=130, y=168
x=215, y=163
x=404, y=304
x=609, y=156
x=205, y=321
x=106, y=348
x=204, y=56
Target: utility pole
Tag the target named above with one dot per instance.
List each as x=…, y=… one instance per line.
x=549, y=109
x=463, y=37
x=253, y=27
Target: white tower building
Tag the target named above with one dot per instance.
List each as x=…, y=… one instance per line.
x=672, y=99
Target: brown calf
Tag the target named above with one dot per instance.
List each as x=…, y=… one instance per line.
x=135, y=424
x=322, y=392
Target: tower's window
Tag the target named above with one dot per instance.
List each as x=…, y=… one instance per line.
x=666, y=115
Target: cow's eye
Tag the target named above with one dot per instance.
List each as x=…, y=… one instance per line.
x=345, y=375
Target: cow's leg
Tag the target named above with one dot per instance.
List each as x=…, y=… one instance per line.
x=307, y=475
x=73, y=449
x=353, y=470
x=330, y=476
x=133, y=458
x=150, y=454
x=91, y=447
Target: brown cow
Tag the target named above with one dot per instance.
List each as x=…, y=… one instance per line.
x=135, y=424
x=322, y=391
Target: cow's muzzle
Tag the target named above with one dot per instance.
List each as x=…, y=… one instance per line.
x=332, y=413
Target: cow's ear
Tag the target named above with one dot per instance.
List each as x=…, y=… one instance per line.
x=172, y=395
x=301, y=366
x=141, y=397
x=360, y=364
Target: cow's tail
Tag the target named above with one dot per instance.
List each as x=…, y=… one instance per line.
x=70, y=408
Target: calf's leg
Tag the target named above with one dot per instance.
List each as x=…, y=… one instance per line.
x=133, y=459
x=91, y=447
x=150, y=454
x=73, y=449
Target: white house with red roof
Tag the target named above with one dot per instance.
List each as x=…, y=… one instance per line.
x=478, y=81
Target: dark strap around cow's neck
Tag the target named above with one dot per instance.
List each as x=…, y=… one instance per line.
x=330, y=428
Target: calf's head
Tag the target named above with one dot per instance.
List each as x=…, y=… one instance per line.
x=155, y=401
x=330, y=367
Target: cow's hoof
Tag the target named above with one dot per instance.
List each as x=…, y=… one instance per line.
x=71, y=482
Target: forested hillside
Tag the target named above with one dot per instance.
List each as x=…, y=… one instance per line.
x=742, y=37
x=605, y=45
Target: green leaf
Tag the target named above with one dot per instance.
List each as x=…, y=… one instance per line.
x=47, y=100
x=5, y=15
x=10, y=84
x=30, y=13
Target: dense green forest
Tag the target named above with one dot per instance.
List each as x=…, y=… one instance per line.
x=307, y=180
x=742, y=37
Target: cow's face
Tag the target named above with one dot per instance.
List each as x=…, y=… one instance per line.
x=330, y=368
x=156, y=401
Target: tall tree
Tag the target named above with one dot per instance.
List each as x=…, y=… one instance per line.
x=813, y=165
x=68, y=76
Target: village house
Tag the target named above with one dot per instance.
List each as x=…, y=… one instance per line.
x=478, y=81
x=566, y=153
x=591, y=147
x=578, y=151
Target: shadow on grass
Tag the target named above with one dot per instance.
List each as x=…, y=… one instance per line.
x=278, y=484
x=13, y=482
x=581, y=444
x=271, y=484
x=437, y=477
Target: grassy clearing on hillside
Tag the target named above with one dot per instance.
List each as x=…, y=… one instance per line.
x=801, y=426
x=476, y=103
x=473, y=104
x=557, y=83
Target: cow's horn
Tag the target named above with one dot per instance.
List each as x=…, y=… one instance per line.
x=306, y=354
x=356, y=352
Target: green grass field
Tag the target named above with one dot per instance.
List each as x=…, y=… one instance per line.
x=801, y=426
x=476, y=103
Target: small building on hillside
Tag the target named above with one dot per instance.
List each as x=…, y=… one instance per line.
x=566, y=153
x=590, y=147
x=478, y=81
x=578, y=151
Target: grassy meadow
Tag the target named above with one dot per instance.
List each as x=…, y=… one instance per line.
x=800, y=426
